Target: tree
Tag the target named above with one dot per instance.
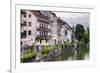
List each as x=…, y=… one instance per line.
x=83, y=39
x=87, y=36
x=79, y=32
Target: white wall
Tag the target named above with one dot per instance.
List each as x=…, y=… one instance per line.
x=30, y=39
x=54, y=29
x=69, y=35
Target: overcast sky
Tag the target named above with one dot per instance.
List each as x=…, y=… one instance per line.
x=75, y=18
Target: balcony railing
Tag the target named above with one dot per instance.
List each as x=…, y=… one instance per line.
x=43, y=37
x=44, y=20
x=22, y=24
x=23, y=35
x=43, y=29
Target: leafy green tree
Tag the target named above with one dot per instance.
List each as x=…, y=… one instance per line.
x=87, y=36
x=79, y=32
x=83, y=40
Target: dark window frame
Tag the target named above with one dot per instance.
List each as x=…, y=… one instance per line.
x=29, y=23
x=29, y=15
x=24, y=34
x=29, y=32
x=24, y=15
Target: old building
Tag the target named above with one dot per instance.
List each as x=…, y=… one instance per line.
x=28, y=21
x=54, y=37
x=43, y=28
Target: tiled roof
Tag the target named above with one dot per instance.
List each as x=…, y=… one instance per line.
x=39, y=14
x=59, y=20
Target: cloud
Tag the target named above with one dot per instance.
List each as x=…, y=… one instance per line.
x=75, y=18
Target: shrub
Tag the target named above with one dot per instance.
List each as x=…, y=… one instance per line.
x=28, y=55
x=45, y=50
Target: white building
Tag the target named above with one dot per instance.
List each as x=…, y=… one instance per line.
x=43, y=28
x=54, y=34
x=28, y=21
x=35, y=28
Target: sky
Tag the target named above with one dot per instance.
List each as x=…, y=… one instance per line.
x=75, y=18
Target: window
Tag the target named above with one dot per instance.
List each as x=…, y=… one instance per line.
x=43, y=33
x=40, y=32
x=40, y=40
x=23, y=34
x=66, y=32
x=40, y=25
x=21, y=49
x=46, y=33
x=44, y=25
x=29, y=15
x=24, y=15
x=29, y=23
x=46, y=41
x=55, y=41
x=24, y=23
x=21, y=43
x=29, y=32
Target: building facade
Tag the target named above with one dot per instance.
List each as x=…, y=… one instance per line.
x=43, y=28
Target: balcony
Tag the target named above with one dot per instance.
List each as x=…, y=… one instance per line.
x=44, y=20
x=23, y=35
x=43, y=37
x=22, y=24
x=43, y=29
